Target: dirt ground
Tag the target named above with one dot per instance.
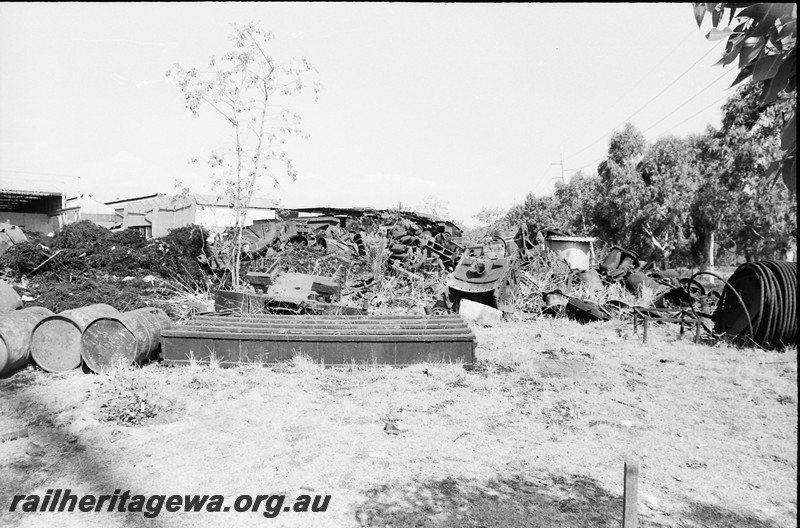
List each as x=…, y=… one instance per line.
x=536, y=435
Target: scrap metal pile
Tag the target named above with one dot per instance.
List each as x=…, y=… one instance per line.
x=342, y=261
x=347, y=262
x=756, y=306
x=416, y=241
x=390, y=287
x=359, y=261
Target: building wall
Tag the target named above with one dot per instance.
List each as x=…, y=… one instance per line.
x=70, y=217
x=35, y=222
x=76, y=215
x=218, y=218
x=103, y=220
x=165, y=220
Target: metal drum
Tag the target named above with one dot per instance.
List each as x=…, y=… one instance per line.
x=15, y=336
x=56, y=340
x=124, y=339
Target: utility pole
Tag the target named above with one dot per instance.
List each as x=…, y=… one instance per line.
x=561, y=163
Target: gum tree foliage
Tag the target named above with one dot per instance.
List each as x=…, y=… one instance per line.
x=763, y=38
x=538, y=212
x=738, y=198
x=489, y=216
x=247, y=88
x=576, y=201
x=684, y=199
x=621, y=197
x=670, y=183
x=569, y=210
x=712, y=204
x=492, y=222
x=645, y=195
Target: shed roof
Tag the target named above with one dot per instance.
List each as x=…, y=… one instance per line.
x=13, y=200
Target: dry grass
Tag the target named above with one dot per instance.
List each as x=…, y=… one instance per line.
x=535, y=435
x=376, y=254
x=185, y=301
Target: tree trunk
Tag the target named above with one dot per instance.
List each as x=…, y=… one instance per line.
x=711, y=250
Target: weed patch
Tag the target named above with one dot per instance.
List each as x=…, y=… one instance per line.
x=132, y=400
x=562, y=413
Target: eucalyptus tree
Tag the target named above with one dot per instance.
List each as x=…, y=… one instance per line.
x=621, y=194
x=670, y=183
x=760, y=216
x=763, y=39
x=576, y=201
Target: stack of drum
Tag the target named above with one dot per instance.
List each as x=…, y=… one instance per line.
x=98, y=337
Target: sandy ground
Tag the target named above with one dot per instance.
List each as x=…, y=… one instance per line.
x=535, y=436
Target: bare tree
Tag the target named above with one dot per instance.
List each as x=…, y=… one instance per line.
x=247, y=87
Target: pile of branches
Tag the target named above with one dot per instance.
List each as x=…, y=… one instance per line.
x=86, y=264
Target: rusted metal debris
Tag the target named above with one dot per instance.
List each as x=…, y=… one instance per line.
x=247, y=303
x=9, y=298
x=685, y=318
x=10, y=235
x=673, y=293
x=486, y=278
x=328, y=340
x=415, y=239
x=560, y=305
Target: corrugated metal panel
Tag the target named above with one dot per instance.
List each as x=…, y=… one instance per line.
x=331, y=340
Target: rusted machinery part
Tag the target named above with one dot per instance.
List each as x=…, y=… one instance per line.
x=769, y=290
x=692, y=286
x=617, y=308
x=440, y=308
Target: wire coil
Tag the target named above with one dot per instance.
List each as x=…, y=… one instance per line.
x=768, y=290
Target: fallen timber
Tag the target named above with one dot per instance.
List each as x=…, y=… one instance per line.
x=332, y=340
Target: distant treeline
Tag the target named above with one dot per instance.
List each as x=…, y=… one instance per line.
x=688, y=201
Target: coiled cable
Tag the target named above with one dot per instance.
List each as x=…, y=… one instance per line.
x=760, y=297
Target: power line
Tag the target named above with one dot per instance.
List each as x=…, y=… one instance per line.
x=696, y=113
x=562, y=169
x=690, y=99
x=674, y=126
x=669, y=85
x=591, y=163
x=656, y=66
x=645, y=105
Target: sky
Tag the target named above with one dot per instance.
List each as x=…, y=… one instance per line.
x=436, y=106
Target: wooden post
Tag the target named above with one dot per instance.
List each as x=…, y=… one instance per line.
x=629, y=495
